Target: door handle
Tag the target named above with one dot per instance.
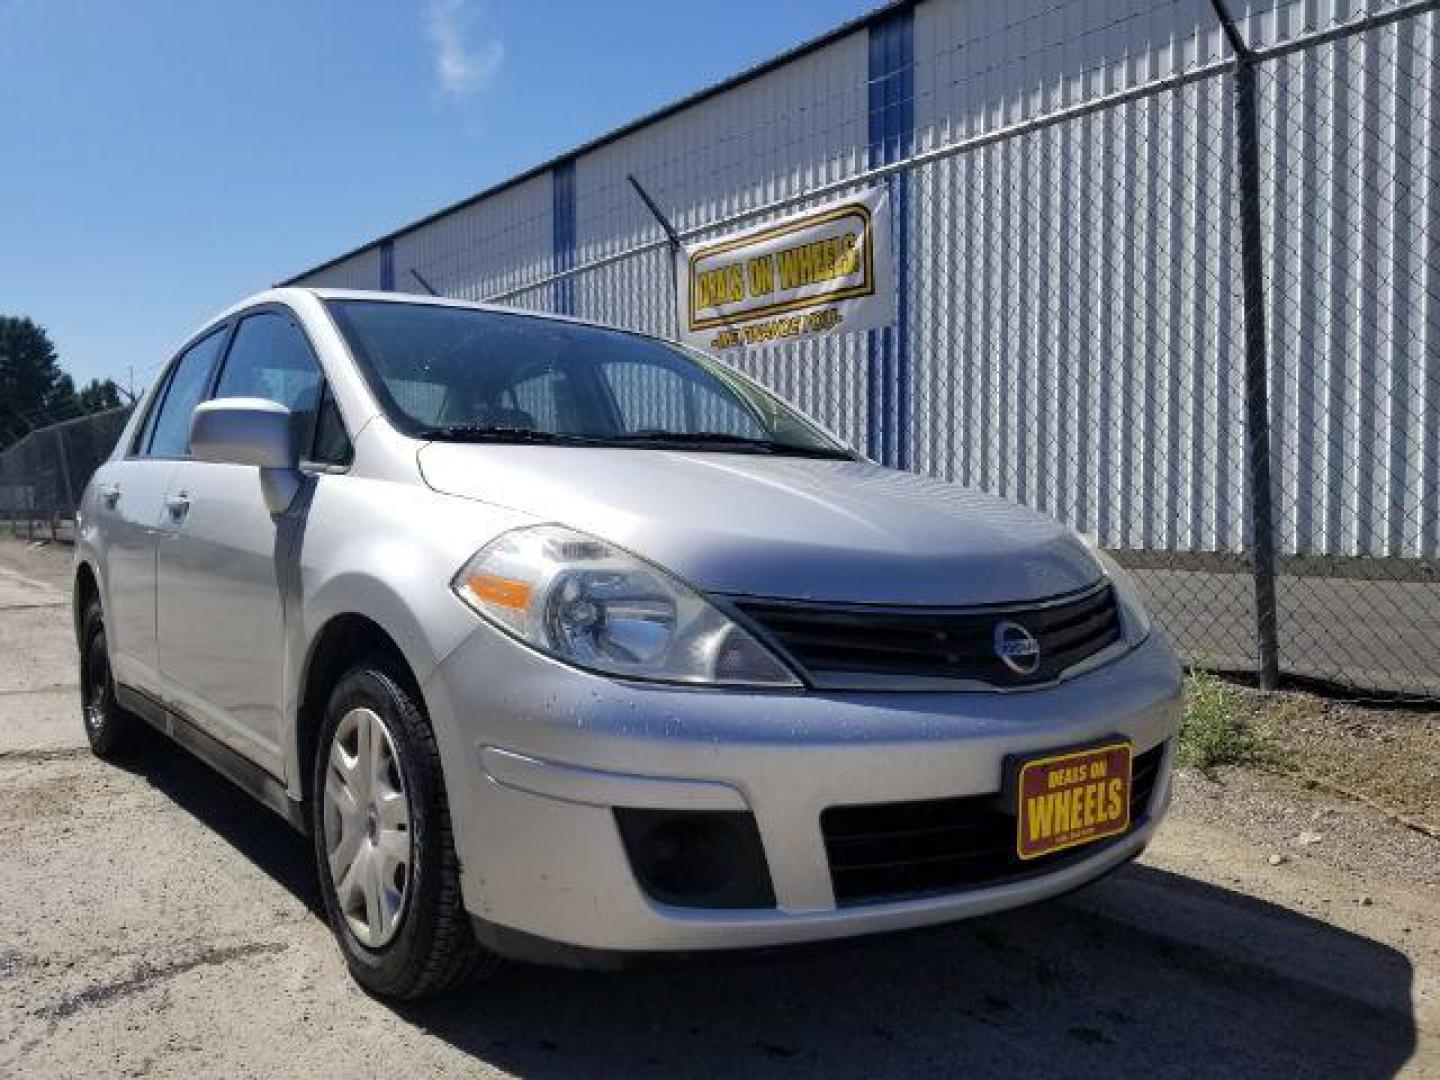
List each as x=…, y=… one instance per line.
x=110, y=494
x=178, y=505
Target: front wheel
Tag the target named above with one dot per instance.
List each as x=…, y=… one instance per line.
x=383, y=845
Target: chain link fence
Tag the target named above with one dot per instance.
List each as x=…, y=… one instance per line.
x=1192, y=309
x=1348, y=144
x=44, y=474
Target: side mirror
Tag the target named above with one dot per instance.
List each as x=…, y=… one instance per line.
x=250, y=431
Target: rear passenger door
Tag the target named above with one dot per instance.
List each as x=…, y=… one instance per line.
x=225, y=561
x=130, y=507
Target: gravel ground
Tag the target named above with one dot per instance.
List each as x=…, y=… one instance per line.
x=1387, y=755
x=1287, y=820
x=155, y=922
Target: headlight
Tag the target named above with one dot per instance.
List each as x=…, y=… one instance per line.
x=1134, y=619
x=592, y=605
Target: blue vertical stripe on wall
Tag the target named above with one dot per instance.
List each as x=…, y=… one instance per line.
x=387, y=266
x=562, y=179
x=891, y=81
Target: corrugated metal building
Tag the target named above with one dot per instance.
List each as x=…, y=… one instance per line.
x=1069, y=321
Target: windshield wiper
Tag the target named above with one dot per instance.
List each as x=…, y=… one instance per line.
x=491, y=433
x=687, y=440
x=660, y=440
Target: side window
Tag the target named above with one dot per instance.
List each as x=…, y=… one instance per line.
x=167, y=428
x=332, y=444
x=147, y=428
x=271, y=359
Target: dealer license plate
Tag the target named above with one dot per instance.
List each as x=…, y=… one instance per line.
x=1072, y=798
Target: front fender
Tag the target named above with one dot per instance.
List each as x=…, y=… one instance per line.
x=386, y=552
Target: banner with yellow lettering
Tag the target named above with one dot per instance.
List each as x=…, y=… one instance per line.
x=826, y=271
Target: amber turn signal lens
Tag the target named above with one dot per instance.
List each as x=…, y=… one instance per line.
x=502, y=592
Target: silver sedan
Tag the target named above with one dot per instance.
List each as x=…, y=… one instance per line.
x=566, y=644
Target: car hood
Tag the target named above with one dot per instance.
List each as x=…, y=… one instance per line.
x=789, y=527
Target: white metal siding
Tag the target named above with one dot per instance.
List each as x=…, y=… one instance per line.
x=1074, y=303
x=1075, y=313
x=1351, y=154
x=359, y=271
x=1076, y=310
x=491, y=246
x=774, y=137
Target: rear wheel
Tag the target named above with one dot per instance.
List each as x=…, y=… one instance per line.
x=111, y=730
x=383, y=845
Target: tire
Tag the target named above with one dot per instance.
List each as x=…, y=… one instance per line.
x=112, y=731
x=403, y=929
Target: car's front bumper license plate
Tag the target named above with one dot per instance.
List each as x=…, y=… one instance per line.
x=1072, y=798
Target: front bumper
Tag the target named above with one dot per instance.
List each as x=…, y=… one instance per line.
x=537, y=756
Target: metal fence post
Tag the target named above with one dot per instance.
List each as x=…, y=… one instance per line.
x=1257, y=373
x=64, y=460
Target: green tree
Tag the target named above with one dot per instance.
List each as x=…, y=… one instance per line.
x=34, y=391
x=31, y=381
x=97, y=396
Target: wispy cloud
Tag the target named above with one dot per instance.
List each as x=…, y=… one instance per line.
x=466, y=57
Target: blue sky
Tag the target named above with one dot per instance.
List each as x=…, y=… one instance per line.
x=164, y=158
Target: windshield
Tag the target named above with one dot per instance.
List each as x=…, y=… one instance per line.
x=465, y=375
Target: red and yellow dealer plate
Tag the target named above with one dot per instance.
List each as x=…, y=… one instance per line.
x=1073, y=798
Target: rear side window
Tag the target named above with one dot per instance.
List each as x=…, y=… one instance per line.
x=167, y=429
x=271, y=359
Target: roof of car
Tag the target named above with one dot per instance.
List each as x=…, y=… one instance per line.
x=444, y=301
x=407, y=298
x=285, y=293
x=282, y=293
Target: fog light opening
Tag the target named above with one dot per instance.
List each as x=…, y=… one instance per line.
x=688, y=859
x=706, y=859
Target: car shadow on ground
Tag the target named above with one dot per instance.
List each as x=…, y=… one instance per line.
x=1146, y=971
x=250, y=828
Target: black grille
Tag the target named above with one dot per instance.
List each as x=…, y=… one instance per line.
x=865, y=642
x=898, y=850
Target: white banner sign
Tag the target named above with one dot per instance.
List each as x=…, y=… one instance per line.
x=825, y=271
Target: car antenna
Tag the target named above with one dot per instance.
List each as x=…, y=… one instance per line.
x=670, y=234
x=651, y=205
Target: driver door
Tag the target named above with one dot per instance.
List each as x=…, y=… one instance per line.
x=225, y=562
